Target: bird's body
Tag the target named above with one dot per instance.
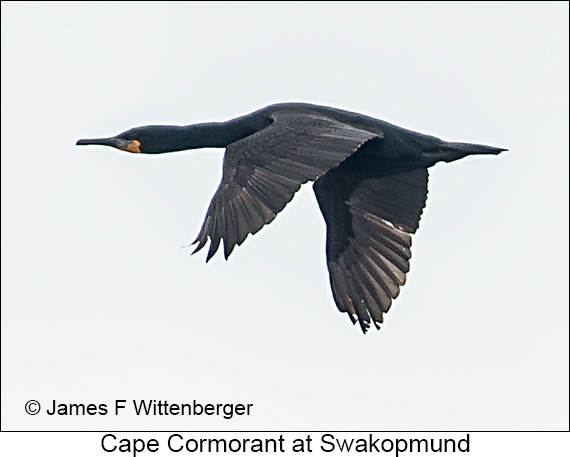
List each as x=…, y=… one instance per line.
x=370, y=179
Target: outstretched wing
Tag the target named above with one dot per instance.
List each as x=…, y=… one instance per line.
x=262, y=172
x=369, y=225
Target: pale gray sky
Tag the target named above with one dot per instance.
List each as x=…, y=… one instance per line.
x=100, y=302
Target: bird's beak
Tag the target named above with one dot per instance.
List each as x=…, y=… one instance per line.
x=119, y=143
x=101, y=141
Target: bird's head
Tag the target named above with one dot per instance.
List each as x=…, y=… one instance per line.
x=151, y=139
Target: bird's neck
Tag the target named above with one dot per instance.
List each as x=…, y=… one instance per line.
x=209, y=135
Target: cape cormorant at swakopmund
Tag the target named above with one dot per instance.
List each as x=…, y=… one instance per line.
x=370, y=179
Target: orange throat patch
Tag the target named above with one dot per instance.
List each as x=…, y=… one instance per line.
x=134, y=147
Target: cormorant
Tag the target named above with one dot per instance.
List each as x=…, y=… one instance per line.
x=370, y=179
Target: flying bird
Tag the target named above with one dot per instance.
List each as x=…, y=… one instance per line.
x=370, y=180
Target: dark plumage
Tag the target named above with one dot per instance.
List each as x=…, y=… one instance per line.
x=370, y=179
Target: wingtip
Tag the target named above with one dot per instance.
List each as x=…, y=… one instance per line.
x=214, y=245
x=198, y=248
x=365, y=326
x=228, y=250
